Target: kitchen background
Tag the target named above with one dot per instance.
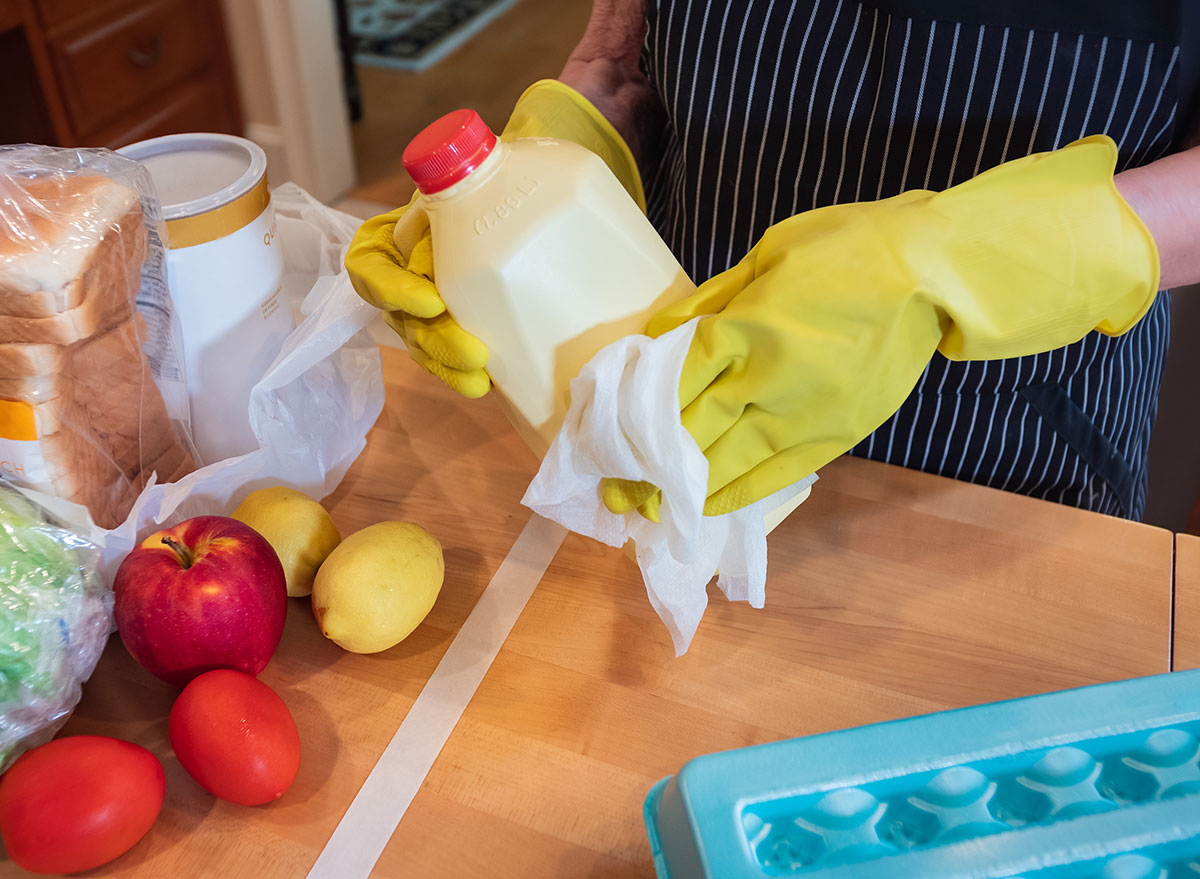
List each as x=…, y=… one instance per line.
x=284, y=74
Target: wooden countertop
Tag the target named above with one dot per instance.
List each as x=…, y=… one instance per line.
x=1187, y=601
x=890, y=593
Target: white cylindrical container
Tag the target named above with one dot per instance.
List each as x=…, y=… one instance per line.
x=224, y=271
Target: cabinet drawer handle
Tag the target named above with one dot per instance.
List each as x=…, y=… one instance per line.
x=150, y=56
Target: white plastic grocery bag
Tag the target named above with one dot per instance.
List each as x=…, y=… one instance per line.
x=312, y=409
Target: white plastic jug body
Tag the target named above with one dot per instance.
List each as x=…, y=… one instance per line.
x=542, y=255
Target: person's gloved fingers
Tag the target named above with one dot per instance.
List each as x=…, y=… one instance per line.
x=649, y=507
x=411, y=225
x=443, y=340
x=713, y=398
x=471, y=383
x=749, y=441
x=392, y=276
x=624, y=495
x=380, y=281
x=395, y=320
x=765, y=477
x=371, y=252
x=711, y=381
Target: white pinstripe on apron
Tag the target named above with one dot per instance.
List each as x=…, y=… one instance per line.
x=781, y=106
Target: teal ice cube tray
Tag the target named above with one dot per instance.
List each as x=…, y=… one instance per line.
x=1101, y=782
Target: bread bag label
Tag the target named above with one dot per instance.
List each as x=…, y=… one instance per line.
x=20, y=452
x=154, y=303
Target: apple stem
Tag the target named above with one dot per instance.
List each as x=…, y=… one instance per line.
x=185, y=555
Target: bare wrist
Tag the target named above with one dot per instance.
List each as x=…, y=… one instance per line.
x=604, y=69
x=1164, y=194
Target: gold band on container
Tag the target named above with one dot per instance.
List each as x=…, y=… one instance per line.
x=225, y=220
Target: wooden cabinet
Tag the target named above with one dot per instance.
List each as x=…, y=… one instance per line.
x=110, y=72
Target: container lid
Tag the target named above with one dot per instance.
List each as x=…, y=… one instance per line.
x=448, y=150
x=199, y=174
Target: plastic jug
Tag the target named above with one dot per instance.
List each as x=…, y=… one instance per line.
x=541, y=254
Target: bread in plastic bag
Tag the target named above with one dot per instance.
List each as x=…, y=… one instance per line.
x=310, y=412
x=55, y=617
x=92, y=399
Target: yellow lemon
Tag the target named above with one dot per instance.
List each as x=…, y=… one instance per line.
x=298, y=528
x=377, y=586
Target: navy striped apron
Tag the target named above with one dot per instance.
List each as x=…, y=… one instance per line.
x=780, y=106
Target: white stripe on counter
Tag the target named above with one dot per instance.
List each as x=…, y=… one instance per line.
x=368, y=825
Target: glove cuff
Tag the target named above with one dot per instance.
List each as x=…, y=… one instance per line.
x=549, y=108
x=1036, y=253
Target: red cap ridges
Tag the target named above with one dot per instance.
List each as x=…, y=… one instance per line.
x=447, y=150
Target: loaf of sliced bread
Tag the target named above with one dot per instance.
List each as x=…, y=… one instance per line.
x=80, y=414
x=71, y=240
x=21, y=360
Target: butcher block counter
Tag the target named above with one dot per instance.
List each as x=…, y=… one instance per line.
x=1187, y=602
x=889, y=593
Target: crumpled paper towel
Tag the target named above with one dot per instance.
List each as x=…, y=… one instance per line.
x=624, y=422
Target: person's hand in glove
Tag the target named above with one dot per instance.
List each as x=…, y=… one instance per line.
x=821, y=332
x=390, y=260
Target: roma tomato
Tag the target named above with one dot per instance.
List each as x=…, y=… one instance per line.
x=78, y=802
x=235, y=736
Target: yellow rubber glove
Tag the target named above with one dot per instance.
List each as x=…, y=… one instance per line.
x=390, y=260
x=821, y=332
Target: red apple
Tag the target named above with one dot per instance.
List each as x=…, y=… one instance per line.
x=208, y=593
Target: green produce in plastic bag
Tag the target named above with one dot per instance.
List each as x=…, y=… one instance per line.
x=55, y=616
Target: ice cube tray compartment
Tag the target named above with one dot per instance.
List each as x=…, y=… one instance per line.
x=1039, y=780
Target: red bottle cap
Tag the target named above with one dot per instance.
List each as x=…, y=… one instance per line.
x=447, y=150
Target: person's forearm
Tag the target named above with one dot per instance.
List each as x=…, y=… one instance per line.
x=1166, y=195
x=604, y=68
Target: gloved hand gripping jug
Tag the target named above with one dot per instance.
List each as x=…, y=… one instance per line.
x=539, y=253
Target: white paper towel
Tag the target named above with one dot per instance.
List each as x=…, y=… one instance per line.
x=624, y=422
